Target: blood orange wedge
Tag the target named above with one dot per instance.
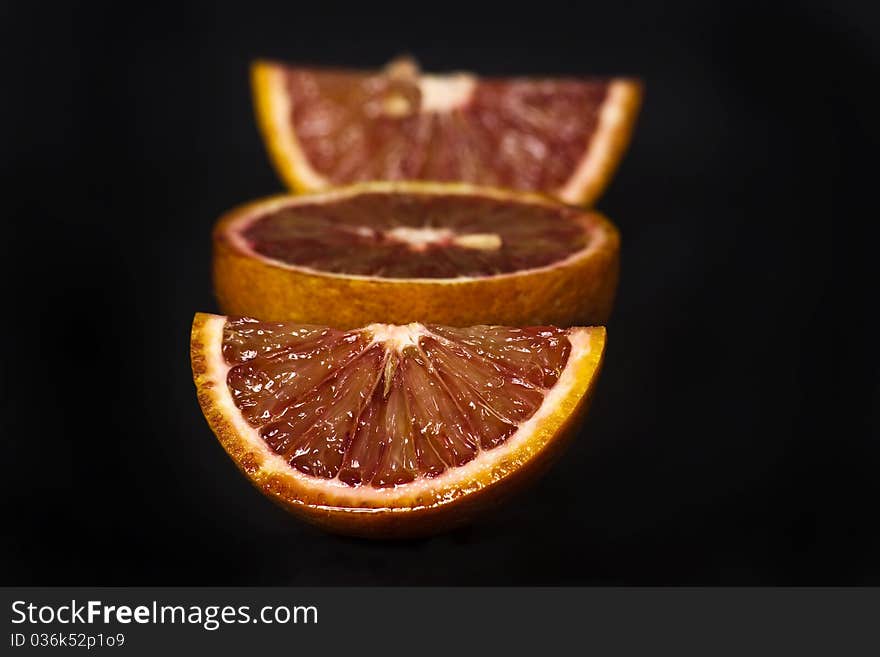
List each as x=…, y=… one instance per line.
x=561, y=136
x=404, y=252
x=391, y=430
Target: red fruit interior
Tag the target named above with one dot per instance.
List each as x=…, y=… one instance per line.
x=518, y=133
x=418, y=235
x=410, y=403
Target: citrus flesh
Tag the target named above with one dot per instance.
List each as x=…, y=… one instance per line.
x=403, y=252
x=330, y=127
x=391, y=430
x=418, y=235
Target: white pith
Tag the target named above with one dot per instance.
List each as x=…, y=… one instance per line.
x=445, y=93
x=478, y=241
x=478, y=469
x=396, y=337
x=234, y=229
x=419, y=239
x=438, y=94
x=612, y=116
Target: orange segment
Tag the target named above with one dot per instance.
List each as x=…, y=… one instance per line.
x=328, y=127
x=391, y=430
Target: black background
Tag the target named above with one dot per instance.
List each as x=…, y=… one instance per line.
x=734, y=434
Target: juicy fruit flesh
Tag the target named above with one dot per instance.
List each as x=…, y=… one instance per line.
x=418, y=235
x=386, y=405
x=519, y=133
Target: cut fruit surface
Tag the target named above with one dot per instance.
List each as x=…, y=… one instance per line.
x=389, y=235
x=403, y=252
x=560, y=136
x=391, y=430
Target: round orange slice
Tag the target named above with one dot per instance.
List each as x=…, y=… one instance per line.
x=391, y=430
x=560, y=136
x=428, y=252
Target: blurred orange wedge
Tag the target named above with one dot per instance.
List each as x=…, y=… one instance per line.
x=330, y=127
